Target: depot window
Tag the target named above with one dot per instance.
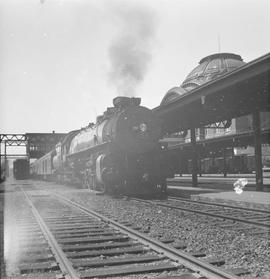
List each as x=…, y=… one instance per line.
x=233, y=64
x=197, y=71
x=213, y=66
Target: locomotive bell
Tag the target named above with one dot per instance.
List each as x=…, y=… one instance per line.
x=135, y=101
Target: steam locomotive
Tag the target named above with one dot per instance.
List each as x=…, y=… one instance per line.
x=119, y=153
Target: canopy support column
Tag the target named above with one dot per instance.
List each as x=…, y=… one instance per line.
x=258, y=150
x=224, y=163
x=0, y=160
x=194, y=158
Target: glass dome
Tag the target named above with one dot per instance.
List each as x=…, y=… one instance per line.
x=173, y=94
x=211, y=67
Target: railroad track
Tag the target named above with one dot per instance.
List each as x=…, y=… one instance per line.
x=216, y=204
x=82, y=243
x=255, y=222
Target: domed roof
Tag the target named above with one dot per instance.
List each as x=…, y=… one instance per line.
x=172, y=94
x=221, y=55
x=211, y=67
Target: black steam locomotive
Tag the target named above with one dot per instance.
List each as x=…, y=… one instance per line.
x=119, y=153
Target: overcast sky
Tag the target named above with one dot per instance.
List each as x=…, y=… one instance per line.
x=62, y=61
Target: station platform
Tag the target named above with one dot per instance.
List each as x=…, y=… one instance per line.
x=217, y=182
x=247, y=199
x=187, y=191
x=219, y=189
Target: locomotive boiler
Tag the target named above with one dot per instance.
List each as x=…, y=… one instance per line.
x=119, y=153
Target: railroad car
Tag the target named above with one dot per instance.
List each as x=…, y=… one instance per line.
x=4, y=169
x=43, y=168
x=119, y=153
x=21, y=169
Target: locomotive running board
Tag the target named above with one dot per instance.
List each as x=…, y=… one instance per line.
x=86, y=152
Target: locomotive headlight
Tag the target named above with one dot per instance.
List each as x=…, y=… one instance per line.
x=143, y=127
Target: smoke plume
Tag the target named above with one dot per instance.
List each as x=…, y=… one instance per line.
x=130, y=53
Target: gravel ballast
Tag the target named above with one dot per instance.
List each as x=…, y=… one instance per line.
x=198, y=232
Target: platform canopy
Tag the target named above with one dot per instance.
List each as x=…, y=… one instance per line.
x=219, y=143
x=238, y=93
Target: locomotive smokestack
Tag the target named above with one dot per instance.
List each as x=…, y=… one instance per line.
x=130, y=53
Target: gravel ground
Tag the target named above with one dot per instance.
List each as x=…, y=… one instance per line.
x=238, y=249
x=16, y=209
x=15, y=246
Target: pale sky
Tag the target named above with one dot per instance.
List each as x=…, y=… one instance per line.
x=62, y=61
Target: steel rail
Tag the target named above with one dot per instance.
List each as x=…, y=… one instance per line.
x=189, y=261
x=220, y=205
x=65, y=265
x=205, y=213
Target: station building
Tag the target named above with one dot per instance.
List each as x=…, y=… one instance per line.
x=210, y=68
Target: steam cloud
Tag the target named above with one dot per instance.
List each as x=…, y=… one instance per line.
x=130, y=53
x=239, y=185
